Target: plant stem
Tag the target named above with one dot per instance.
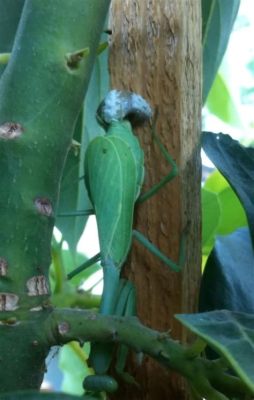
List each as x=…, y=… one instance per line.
x=207, y=378
x=40, y=99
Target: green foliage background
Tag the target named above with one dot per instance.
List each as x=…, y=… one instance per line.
x=225, y=322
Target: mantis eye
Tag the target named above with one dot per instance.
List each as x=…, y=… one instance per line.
x=121, y=105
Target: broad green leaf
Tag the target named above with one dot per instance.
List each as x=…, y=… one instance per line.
x=236, y=163
x=228, y=279
x=232, y=214
x=215, y=182
x=73, y=364
x=73, y=194
x=231, y=334
x=210, y=217
x=67, y=293
x=9, y=19
x=218, y=17
x=97, y=89
x=222, y=211
x=221, y=103
x=71, y=187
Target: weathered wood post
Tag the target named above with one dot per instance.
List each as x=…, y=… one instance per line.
x=156, y=51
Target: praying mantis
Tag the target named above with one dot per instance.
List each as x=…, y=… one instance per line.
x=114, y=174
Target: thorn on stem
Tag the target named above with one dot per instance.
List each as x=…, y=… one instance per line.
x=3, y=267
x=38, y=308
x=44, y=206
x=11, y=321
x=108, y=31
x=102, y=46
x=63, y=327
x=74, y=59
x=163, y=335
x=92, y=316
x=10, y=130
x=164, y=355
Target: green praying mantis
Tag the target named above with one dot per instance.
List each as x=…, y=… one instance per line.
x=114, y=174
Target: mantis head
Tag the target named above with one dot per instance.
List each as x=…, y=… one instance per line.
x=119, y=105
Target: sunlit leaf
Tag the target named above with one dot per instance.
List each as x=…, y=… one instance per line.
x=220, y=102
x=210, y=217
x=222, y=211
x=236, y=163
x=73, y=364
x=232, y=214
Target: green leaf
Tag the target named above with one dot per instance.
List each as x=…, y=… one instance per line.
x=62, y=264
x=97, y=89
x=9, y=19
x=232, y=214
x=73, y=364
x=231, y=334
x=236, y=163
x=68, y=293
x=215, y=182
x=210, y=216
x=228, y=279
x=218, y=17
x=222, y=211
x=71, y=187
x=221, y=103
x=73, y=194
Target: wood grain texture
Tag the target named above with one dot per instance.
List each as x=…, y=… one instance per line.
x=155, y=50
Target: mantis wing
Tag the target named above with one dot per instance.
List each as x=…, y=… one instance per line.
x=111, y=179
x=123, y=131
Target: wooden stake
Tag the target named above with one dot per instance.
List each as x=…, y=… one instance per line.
x=156, y=51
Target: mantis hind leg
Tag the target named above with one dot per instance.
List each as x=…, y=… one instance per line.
x=94, y=259
x=171, y=175
x=154, y=250
x=151, y=192
x=79, y=213
x=85, y=265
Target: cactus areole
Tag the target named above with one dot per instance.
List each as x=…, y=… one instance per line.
x=41, y=94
